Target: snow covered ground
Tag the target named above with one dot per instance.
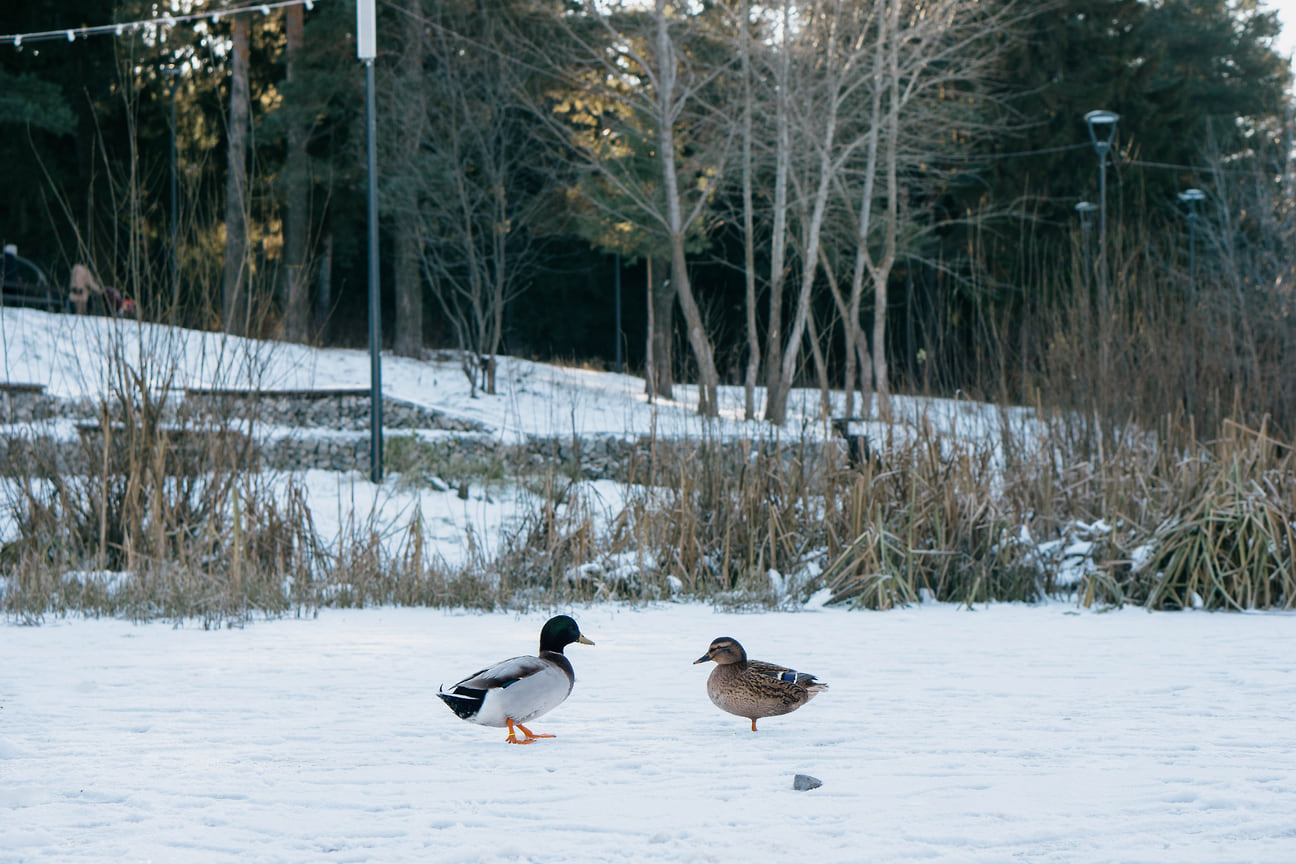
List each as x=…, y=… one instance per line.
x=65, y=354
x=1034, y=734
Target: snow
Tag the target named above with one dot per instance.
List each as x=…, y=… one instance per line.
x=1008, y=733
x=1046, y=733
x=65, y=354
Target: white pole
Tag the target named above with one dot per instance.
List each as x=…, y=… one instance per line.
x=366, y=49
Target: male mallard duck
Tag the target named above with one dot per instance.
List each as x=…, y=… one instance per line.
x=752, y=689
x=519, y=689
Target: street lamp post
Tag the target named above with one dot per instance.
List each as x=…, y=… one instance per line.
x=366, y=49
x=1086, y=210
x=1102, y=129
x=1191, y=197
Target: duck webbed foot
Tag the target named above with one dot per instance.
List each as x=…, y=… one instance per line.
x=530, y=736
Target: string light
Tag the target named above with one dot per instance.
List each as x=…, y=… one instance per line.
x=17, y=39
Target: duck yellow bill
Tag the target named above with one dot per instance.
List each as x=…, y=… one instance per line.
x=585, y=641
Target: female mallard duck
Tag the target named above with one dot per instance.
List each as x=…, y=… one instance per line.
x=522, y=688
x=752, y=689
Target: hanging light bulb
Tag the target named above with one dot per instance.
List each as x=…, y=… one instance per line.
x=310, y=4
x=71, y=34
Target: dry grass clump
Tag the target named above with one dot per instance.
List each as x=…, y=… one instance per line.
x=153, y=511
x=928, y=522
x=1223, y=538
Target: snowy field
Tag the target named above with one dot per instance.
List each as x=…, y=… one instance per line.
x=1013, y=734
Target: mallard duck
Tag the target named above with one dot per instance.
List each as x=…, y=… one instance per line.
x=752, y=689
x=519, y=689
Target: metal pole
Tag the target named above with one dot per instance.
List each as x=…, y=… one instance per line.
x=1192, y=242
x=1104, y=295
x=616, y=281
x=375, y=323
x=1102, y=228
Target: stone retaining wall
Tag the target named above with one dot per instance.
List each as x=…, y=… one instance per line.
x=325, y=430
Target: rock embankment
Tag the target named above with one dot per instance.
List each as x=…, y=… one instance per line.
x=284, y=430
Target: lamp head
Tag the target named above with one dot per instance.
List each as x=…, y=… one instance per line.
x=1086, y=210
x=1102, y=128
x=1192, y=196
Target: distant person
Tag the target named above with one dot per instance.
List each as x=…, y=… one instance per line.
x=84, y=284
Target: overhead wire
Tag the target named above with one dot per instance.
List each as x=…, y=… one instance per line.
x=71, y=34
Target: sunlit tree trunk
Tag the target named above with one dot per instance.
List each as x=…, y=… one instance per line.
x=234, y=284
x=297, y=200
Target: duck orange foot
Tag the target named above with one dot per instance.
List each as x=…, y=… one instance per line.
x=531, y=736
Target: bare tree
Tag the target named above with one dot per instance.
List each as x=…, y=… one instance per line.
x=932, y=60
x=484, y=180
x=840, y=101
x=828, y=48
x=638, y=73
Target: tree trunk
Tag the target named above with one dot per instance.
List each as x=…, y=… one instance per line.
x=324, y=288
x=821, y=368
x=778, y=238
x=863, y=258
x=883, y=272
x=297, y=201
x=408, y=273
x=660, y=381
x=749, y=229
x=699, y=341
x=848, y=309
x=234, y=286
x=776, y=406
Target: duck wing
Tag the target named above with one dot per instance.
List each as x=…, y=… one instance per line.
x=504, y=673
x=784, y=675
x=516, y=689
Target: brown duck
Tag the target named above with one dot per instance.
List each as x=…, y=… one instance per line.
x=752, y=689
